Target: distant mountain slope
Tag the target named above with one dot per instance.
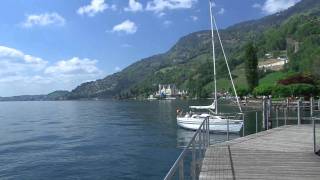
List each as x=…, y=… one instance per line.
x=187, y=59
x=54, y=96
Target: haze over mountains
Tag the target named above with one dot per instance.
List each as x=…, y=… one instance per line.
x=189, y=59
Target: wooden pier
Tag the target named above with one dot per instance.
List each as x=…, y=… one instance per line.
x=282, y=153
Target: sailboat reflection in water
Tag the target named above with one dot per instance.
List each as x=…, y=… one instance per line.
x=217, y=121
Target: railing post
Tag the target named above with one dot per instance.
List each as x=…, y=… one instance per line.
x=228, y=129
x=244, y=125
x=256, y=122
x=181, y=170
x=299, y=111
x=200, y=143
x=264, y=112
x=193, y=162
x=203, y=135
x=313, y=125
x=285, y=116
x=269, y=112
x=208, y=130
x=277, y=116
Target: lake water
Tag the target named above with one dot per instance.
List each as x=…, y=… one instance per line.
x=91, y=139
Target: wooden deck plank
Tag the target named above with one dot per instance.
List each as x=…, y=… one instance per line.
x=281, y=153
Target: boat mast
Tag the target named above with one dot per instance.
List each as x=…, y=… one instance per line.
x=214, y=60
x=225, y=58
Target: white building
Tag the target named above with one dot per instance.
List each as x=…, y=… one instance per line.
x=169, y=90
x=274, y=64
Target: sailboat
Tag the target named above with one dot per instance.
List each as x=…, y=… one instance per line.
x=217, y=121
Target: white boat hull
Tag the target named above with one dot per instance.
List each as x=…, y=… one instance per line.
x=215, y=124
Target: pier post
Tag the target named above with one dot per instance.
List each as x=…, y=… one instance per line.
x=299, y=111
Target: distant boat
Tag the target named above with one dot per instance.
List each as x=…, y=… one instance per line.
x=217, y=122
x=151, y=97
x=170, y=98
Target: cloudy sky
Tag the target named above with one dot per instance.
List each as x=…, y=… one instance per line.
x=48, y=45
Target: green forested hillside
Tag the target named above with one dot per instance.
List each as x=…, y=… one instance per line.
x=188, y=64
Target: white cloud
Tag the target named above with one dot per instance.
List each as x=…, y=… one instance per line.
x=16, y=58
x=194, y=18
x=256, y=5
x=96, y=6
x=43, y=20
x=161, y=14
x=26, y=74
x=134, y=6
x=126, y=26
x=167, y=23
x=73, y=66
x=221, y=11
x=158, y=6
x=117, y=69
x=274, y=6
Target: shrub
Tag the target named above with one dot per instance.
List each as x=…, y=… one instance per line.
x=263, y=90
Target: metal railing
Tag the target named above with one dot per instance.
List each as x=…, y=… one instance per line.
x=316, y=134
x=271, y=116
x=197, y=147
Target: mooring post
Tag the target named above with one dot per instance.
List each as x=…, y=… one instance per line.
x=299, y=111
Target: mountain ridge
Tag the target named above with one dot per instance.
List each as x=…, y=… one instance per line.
x=183, y=52
x=186, y=61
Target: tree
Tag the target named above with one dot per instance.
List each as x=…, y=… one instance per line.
x=251, y=66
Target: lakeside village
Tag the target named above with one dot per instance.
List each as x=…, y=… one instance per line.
x=171, y=92
x=168, y=92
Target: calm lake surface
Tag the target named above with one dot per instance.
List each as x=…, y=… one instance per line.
x=91, y=139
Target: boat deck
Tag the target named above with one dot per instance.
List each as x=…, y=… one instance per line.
x=282, y=153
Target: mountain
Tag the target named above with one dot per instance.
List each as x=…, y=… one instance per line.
x=54, y=96
x=188, y=62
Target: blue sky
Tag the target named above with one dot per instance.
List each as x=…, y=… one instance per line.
x=48, y=45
